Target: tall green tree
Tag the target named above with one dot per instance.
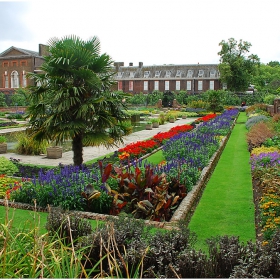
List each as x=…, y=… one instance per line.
x=72, y=97
x=237, y=66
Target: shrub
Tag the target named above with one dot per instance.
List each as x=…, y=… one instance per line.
x=3, y=139
x=255, y=119
x=7, y=167
x=269, y=99
x=27, y=145
x=258, y=134
x=66, y=225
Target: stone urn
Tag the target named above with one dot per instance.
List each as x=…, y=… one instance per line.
x=172, y=120
x=184, y=117
x=3, y=148
x=54, y=152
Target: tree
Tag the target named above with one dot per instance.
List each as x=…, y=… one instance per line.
x=72, y=97
x=267, y=78
x=236, y=66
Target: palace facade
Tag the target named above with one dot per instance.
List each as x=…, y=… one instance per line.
x=15, y=63
x=193, y=78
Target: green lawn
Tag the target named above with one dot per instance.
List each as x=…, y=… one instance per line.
x=226, y=206
x=27, y=219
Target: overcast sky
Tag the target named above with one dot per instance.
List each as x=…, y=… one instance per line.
x=154, y=32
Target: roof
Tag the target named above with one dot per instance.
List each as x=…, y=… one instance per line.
x=23, y=51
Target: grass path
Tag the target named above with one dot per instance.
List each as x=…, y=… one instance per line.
x=226, y=206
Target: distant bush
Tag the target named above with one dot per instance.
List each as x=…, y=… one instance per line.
x=258, y=134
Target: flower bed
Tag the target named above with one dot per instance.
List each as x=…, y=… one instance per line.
x=145, y=192
x=265, y=172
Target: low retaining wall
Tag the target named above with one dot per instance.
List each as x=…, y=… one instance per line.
x=183, y=212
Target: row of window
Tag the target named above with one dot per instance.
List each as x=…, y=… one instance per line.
x=168, y=73
x=14, y=79
x=14, y=63
x=166, y=85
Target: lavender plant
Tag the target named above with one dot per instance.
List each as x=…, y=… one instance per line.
x=64, y=189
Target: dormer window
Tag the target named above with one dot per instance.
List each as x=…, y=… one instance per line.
x=190, y=74
x=178, y=73
x=157, y=74
x=131, y=74
x=200, y=73
x=212, y=73
x=146, y=74
x=119, y=75
x=168, y=74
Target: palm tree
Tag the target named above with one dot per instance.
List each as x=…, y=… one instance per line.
x=72, y=97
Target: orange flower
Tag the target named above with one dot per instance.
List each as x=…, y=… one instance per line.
x=124, y=155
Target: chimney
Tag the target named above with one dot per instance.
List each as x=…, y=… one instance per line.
x=140, y=64
x=118, y=65
x=43, y=50
x=130, y=63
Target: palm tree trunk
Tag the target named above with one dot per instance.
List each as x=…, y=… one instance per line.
x=77, y=148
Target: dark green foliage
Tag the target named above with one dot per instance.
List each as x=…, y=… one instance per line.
x=166, y=253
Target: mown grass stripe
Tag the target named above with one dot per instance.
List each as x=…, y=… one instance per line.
x=226, y=206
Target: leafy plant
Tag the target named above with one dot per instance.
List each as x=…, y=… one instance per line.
x=27, y=145
x=3, y=139
x=7, y=167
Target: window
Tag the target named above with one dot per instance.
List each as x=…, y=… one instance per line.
x=119, y=75
x=23, y=63
x=14, y=80
x=166, y=87
x=200, y=73
x=156, y=85
x=224, y=86
x=189, y=85
x=146, y=74
x=200, y=85
x=146, y=85
x=178, y=74
x=168, y=74
x=131, y=74
x=14, y=63
x=212, y=73
x=157, y=74
x=6, y=80
x=190, y=74
x=177, y=85
x=211, y=85
x=24, y=79
x=5, y=64
x=130, y=85
x=120, y=85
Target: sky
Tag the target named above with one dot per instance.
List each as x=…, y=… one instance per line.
x=154, y=32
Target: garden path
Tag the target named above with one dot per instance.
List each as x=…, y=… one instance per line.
x=90, y=153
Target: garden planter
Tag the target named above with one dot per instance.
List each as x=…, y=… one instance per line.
x=54, y=152
x=155, y=125
x=135, y=118
x=149, y=126
x=184, y=117
x=3, y=148
x=172, y=120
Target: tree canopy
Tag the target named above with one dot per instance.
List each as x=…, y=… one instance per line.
x=237, y=66
x=72, y=98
